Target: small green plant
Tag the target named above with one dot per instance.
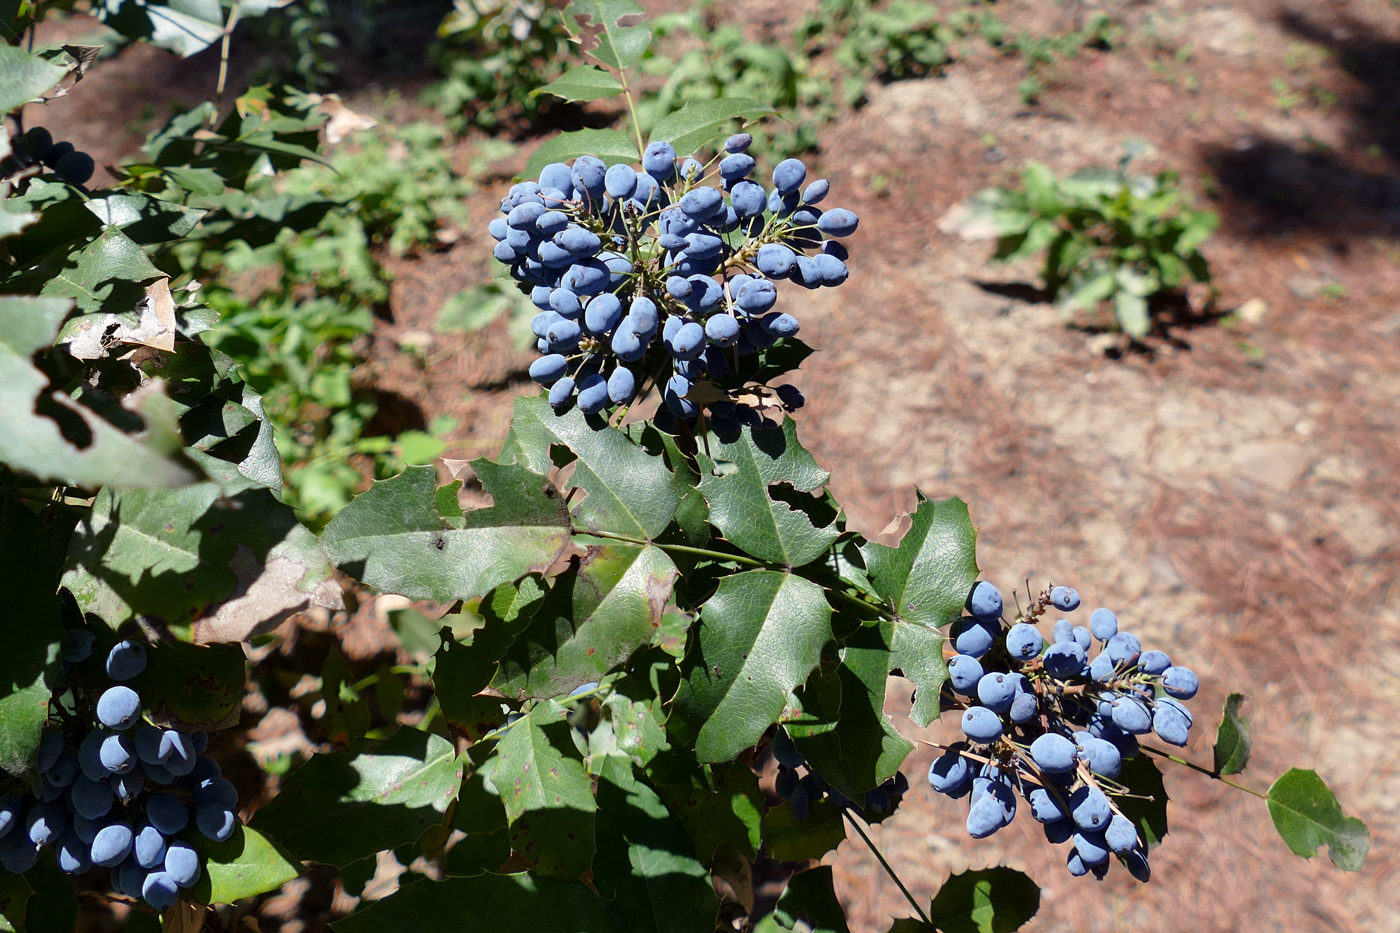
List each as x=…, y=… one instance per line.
x=493, y=56
x=1106, y=236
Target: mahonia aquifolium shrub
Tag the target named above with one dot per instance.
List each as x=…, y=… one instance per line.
x=115, y=791
x=621, y=261
x=37, y=147
x=1047, y=723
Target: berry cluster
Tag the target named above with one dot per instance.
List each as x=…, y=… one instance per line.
x=1049, y=723
x=37, y=146
x=619, y=260
x=799, y=783
x=92, y=803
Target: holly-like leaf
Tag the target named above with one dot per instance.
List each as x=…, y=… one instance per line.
x=51, y=436
x=184, y=27
x=612, y=146
x=720, y=805
x=758, y=638
x=25, y=77
x=14, y=899
x=843, y=730
x=143, y=218
x=494, y=904
x=789, y=839
x=629, y=490
x=373, y=795
x=1146, y=802
x=615, y=32
x=645, y=861
x=741, y=500
x=1232, y=738
x=927, y=577
x=1306, y=814
x=196, y=563
x=582, y=83
x=701, y=122
x=392, y=538
x=197, y=686
x=547, y=793
x=30, y=657
x=246, y=865
x=918, y=653
x=604, y=608
x=811, y=899
x=992, y=900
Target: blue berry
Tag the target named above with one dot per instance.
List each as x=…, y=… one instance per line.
x=984, y=602
x=981, y=725
x=126, y=660
x=1024, y=641
x=964, y=671
x=788, y=175
x=838, y=222
x=1054, y=753
x=1180, y=682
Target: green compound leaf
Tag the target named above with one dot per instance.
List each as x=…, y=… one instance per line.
x=699, y=123
x=992, y=900
x=789, y=839
x=496, y=904
x=615, y=32
x=1147, y=805
x=720, y=805
x=25, y=77
x=758, y=638
x=547, y=793
x=743, y=507
x=1232, y=738
x=604, y=608
x=581, y=83
x=646, y=862
x=629, y=490
x=34, y=443
x=30, y=657
x=1307, y=815
x=810, y=899
x=246, y=865
x=926, y=578
x=196, y=563
x=612, y=146
x=373, y=795
x=393, y=539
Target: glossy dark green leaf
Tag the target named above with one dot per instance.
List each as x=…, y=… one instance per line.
x=604, y=608
x=612, y=146
x=843, y=730
x=1307, y=815
x=548, y=795
x=371, y=796
x=15, y=893
x=700, y=123
x=205, y=566
x=30, y=659
x=1147, y=805
x=246, y=865
x=581, y=83
x=145, y=219
x=615, y=32
x=789, y=839
x=494, y=904
x=927, y=577
x=1232, y=738
x=720, y=805
x=991, y=900
x=184, y=27
x=917, y=652
x=742, y=504
x=758, y=638
x=82, y=449
x=629, y=490
x=646, y=861
x=811, y=899
x=198, y=686
x=25, y=77
x=393, y=539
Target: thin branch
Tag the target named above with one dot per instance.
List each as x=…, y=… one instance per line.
x=1162, y=753
x=888, y=870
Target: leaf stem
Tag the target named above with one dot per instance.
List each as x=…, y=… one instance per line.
x=632, y=111
x=223, y=63
x=685, y=549
x=888, y=870
x=1162, y=753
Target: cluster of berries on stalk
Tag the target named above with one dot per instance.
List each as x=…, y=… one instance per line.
x=116, y=791
x=657, y=273
x=1048, y=724
x=37, y=147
